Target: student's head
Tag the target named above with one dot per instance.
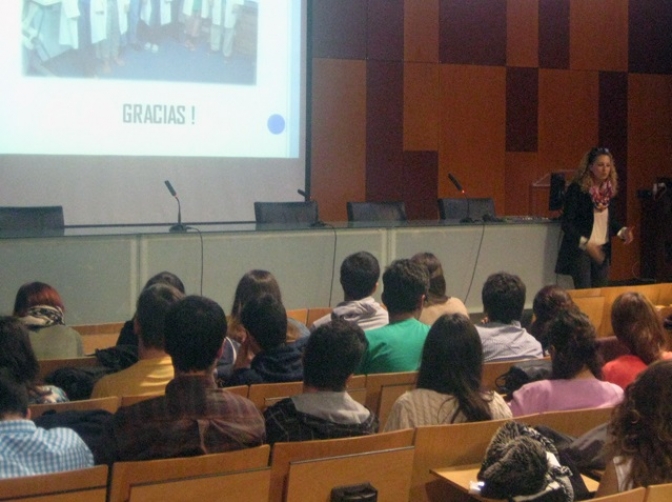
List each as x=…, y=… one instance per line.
x=638, y=326
x=194, y=333
x=452, y=363
x=166, y=277
x=13, y=397
x=32, y=294
x=359, y=275
x=332, y=354
x=503, y=297
x=150, y=314
x=252, y=285
x=265, y=319
x=641, y=426
x=437, y=281
x=572, y=345
x=16, y=352
x=405, y=285
x=548, y=301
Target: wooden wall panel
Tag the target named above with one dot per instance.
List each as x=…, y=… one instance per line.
x=649, y=154
x=554, y=34
x=522, y=109
x=420, y=172
x=472, y=32
x=473, y=131
x=422, y=115
x=522, y=33
x=568, y=118
x=519, y=176
x=650, y=36
x=599, y=35
x=385, y=29
x=421, y=30
x=338, y=135
x=339, y=29
x=384, y=130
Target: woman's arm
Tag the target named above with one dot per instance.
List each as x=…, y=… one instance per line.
x=609, y=481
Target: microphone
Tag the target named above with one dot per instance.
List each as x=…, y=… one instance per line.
x=458, y=185
x=178, y=227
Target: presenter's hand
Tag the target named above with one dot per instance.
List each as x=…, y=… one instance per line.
x=595, y=252
x=628, y=235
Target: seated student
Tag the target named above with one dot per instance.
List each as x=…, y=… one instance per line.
x=18, y=358
x=437, y=302
x=502, y=336
x=128, y=335
x=325, y=410
x=40, y=308
x=264, y=355
x=449, y=381
x=154, y=370
x=359, y=280
x=637, y=325
x=640, y=441
x=397, y=346
x=194, y=417
x=574, y=382
x=254, y=284
x=548, y=301
x=27, y=450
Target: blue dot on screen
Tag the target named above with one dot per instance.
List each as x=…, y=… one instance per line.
x=276, y=124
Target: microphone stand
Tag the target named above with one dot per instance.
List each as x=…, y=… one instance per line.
x=178, y=227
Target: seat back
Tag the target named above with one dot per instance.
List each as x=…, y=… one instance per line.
x=127, y=475
x=461, y=208
x=68, y=486
x=449, y=445
x=48, y=366
x=636, y=495
x=110, y=404
x=316, y=313
x=495, y=369
x=264, y=395
x=375, y=383
x=243, y=486
x=658, y=493
x=389, y=471
x=286, y=212
x=285, y=453
x=356, y=387
x=376, y=211
x=37, y=220
x=572, y=422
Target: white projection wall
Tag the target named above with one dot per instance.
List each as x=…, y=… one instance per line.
x=100, y=142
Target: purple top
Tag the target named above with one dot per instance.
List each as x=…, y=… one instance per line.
x=557, y=395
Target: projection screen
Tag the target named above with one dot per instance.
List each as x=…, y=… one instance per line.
x=104, y=100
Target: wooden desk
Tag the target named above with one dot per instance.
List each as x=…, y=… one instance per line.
x=462, y=475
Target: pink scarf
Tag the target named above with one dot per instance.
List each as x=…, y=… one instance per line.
x=601, y=195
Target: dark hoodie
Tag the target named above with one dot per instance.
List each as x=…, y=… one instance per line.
x=285, y=423
x=281, y=364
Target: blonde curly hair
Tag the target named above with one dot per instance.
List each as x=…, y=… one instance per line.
x=582, y=176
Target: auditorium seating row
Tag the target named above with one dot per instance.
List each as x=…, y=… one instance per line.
x=398, y=464
x=596, y=302
x=377, y=391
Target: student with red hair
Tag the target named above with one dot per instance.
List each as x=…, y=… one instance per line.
x=40, y=308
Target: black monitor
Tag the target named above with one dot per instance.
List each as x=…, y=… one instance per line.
x=556, y=197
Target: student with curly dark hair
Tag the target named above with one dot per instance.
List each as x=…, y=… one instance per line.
x=575, y=379
x=640, y=433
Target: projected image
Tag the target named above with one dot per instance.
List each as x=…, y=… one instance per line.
x=203, y=41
